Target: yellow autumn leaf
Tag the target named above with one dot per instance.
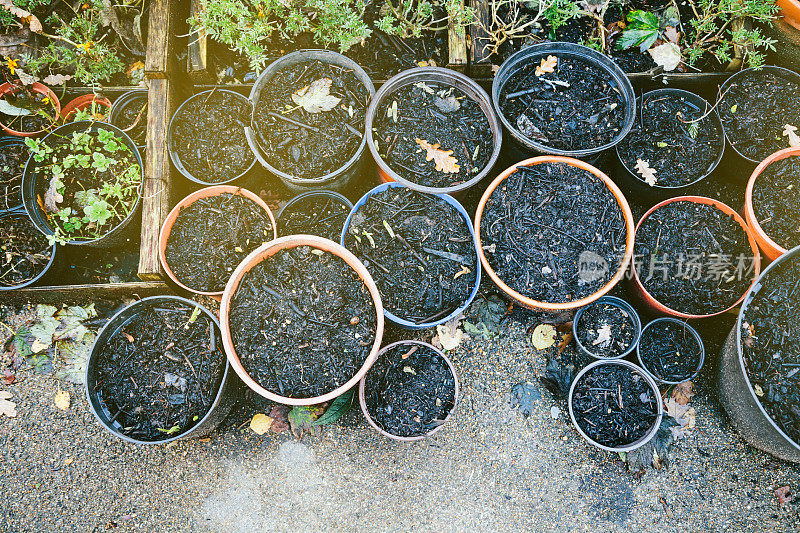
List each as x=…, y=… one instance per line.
x=62, y=400
x=261, y=423
x=543, y=336
x=547, y=65
x=445, y=162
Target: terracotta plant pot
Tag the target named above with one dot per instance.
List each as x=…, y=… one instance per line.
x=8, y=88
x=267, y=250
x=84, y=102
x=790, y=10
x=661, y=309
x=770, y=248
x=548, y=306
x=169, y=222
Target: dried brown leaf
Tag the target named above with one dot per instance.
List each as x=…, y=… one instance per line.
x=445, y=162
x=790, y=131
x=683, y=392
x=26, y=16
x=648, y=173
x=547, y=65
x=784, y=495
x=317, y=97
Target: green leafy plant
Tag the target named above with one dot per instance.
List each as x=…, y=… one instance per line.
x=409, y=18
x=643, y=30
x=559, y=12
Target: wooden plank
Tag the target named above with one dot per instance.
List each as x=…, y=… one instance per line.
x=457, y=47
x=479, y=64
x=197, y=61
x=69, y=294
x=160, y=58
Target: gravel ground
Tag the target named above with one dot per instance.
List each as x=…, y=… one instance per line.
x=489, y=469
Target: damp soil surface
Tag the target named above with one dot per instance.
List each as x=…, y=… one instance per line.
x=13, y=157
x=755, y=111
x=419, y=250
x=614, y=405
x=303, y=322
x=212, y=236
x=301, y=143
x=666, y=138
x=775, y=201
x=41, y=116
x=159, y=374
x=670, y=351
x=24, y=250
x=771, y=346
x=578, y=106
x=433, y=134
x=606, y=330
x=553, y=232
x=132, y=119
x=693, y=258
x=320, y=215
x=208, y=136
x=410, y=390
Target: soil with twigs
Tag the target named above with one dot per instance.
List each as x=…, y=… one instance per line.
x=410, y=390
x=13, y=157
x=41, y=112
x=302, y=322
x=606, y=330
x=775, y=201
x=158, y=374
x=314, y=215
x=24, y=250
x=670, y=351
x=212, y=236
x=132, y=119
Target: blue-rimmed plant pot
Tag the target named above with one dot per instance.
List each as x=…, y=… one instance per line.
x=619, y=303
x=39, y=275
x=453, y=202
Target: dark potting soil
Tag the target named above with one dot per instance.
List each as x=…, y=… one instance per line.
x=410, y=390
x=41, y=117
x=24, y=250
x=553, y=232
x=303, y=322
x=775, y=202
x=212, y=236
x=159, y=374
x=606, y=330
x=756, y=110
x=771, y=346
x=669, y=351
x=419, y=251
x=208, y=136
x=587, y=112
x=693, y=258
x=310, y=145
x=678, y=152
x=314, y=215
x=13, y=157
x=442, y=117
x=614, y=405
x=132, y=119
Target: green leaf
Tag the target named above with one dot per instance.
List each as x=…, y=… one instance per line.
x=641, y=20
x=170, y=431
x=338, y=408
x=301, y=419
x=642, y=38
x=661, y=144
x=195, y=314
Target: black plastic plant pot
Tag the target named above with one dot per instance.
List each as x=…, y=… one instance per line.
x=610, y=398
x=312, y=221
x=21, y=216
x=610, y=328
x=130, y=103
x=632, y=182
x=522, y=146
x=172, y=137
x=671, y=351
x=11, y=189
x=339, y=178
x=117, y=236
x=737, y=393
x=226, y=391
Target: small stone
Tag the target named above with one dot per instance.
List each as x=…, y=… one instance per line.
x=555, y=412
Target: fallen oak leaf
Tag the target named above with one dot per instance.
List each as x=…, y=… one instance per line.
x=445, y=162
x=648, y=173
x=546, y=66
x=683, y=392
x=316, y=98
x=603, y=336
x=789, y=131
x=672, y=34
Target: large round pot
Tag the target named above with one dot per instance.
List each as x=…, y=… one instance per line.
x=267, y=250
x=9, y=88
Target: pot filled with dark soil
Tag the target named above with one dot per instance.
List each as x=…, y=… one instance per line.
x=554, y=233
x=157, y=372
x=206, y=137
x=25, y=254
x=758, y=381
x=697, y=257
x=319, y=213
x=671, y=351
x=609, y=328
x=207, y=235
x=771, y=209
x=433, y=130
x=308, y=117
x=759, y=109
x=420, y=250
x=28, y=111
x=13, y=157
x=676, y=141
x=410, y=391
x=82, y=184
x=302, y=320
x=563, y=99
x=615, y=405
x=129, y=113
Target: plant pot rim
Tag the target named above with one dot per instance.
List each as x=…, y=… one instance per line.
x=714, y=117
x=695, y=334
x=257, y=256
x=176, y=161
x=321, y=192
x=660, y=307
x=39, y=88
x=290, y=59
x=362, y=400
x=454, y=79
x=622, y=202
x=771, y=249
x=19, y=212
x=460, y=208
x=82, y=102
x=653, y=386
x=169, y=222
x=620, y=304
x=93, y=355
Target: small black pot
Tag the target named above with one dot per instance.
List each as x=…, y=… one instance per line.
x=333, y=196
x=8, y=205
x=616, y=302
x=692, y=332
x=31, y=281
x=133, y=97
